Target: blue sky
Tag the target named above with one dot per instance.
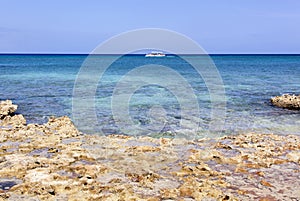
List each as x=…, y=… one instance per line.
x=231, y=26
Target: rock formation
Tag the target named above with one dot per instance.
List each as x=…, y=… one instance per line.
x=287, y=101
x=7, y=108
x=7, y=116
x=55, y=161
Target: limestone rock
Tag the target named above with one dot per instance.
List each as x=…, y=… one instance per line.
x=15, y=120
x=54, y=161
x=62, y=126
x=7, y=108
x=294, y=156
x=6, y=115
x=287, y=101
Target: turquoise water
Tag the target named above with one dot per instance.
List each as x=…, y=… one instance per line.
x=42, y=86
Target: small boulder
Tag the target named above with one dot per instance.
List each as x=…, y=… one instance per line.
x=7, y=116
x=7, y=108
x=63, y=126
x=287, y=101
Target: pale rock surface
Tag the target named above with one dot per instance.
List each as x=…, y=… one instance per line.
x=7, y=117
x=287, y=101
x=7, y=108
x=54, y=161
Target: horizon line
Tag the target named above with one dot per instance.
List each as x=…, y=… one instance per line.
x=62, y=53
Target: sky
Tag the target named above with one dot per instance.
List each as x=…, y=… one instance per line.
x=231, y=26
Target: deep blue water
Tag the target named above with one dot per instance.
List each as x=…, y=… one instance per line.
x=42, y=86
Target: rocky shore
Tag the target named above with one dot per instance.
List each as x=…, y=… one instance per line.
x=55, y=161
x=287, y=101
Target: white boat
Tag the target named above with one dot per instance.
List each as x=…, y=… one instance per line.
x=155, y=54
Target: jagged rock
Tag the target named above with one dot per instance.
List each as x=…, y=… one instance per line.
x=287, y=101
x=6, y=115
x=15, y=120
x=7, y=108
x=62, y=126
x=54, y=161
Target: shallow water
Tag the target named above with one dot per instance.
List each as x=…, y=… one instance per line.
x=42, y=85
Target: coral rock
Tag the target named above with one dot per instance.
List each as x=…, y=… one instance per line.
x=7, y=108
x=294, y=156
x=15, y=120
x=287, y=101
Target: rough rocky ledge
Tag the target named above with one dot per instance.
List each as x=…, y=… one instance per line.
x=54, y=161
x=287, y=101
x=7, y=116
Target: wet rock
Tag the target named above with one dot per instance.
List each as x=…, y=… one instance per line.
x=287, y=101
x=7, y=183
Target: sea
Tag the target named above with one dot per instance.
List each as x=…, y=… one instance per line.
x=160, y=97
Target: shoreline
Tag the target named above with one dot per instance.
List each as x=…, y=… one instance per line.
x=54, y=161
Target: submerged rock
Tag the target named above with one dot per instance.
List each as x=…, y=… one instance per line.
x=287, y=101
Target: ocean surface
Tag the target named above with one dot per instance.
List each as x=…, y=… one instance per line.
x=43, y=85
